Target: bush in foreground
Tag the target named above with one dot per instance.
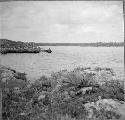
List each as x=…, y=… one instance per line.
x=83, y=93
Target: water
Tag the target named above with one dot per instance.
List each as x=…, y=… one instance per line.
x=63, y=57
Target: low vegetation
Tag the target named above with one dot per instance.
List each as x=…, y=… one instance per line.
x=5, y=43
x=9, y=46
x=81, y=94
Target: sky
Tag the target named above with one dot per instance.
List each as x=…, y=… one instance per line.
x=62, y=21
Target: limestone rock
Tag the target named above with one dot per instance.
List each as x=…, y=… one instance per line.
x=108, y=108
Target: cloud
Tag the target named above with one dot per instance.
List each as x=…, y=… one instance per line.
x=62, y=21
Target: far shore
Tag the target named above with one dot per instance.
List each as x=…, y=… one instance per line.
x=96, y=44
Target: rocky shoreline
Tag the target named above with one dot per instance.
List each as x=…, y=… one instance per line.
x=81, y=94
x=9, y=46
x=11, y=50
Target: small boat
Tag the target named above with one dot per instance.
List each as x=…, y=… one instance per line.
x=49, y=50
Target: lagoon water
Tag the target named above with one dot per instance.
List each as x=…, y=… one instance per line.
x=63, y=57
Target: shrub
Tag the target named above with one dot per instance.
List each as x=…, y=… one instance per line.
x=63, y=95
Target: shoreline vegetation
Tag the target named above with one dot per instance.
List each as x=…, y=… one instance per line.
x=80, y=94
x=9, y=46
